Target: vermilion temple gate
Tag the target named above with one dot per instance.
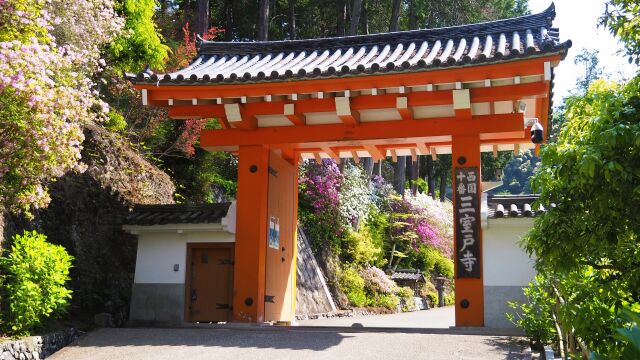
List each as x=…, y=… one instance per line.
x=460, y=90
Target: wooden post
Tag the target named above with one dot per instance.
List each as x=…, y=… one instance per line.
x=251, y=235
x=469, y=289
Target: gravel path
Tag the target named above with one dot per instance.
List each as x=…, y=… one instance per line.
x=286, y=343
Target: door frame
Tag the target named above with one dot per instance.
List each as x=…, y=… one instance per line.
x=187, y=270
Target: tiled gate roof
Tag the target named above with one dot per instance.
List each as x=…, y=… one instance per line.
x=177, y=214
x=405, y=51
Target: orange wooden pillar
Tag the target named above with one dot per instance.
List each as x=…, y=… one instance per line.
x=469, y=292
x=251, y=234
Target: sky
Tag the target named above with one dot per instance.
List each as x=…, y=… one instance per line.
x=578, y=21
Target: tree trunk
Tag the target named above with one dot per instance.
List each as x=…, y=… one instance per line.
x=202, y=17
x=415, y=171
x=431, y=178
x=443, y=185
x=228, y=20
x=367, y=164
x=364, y=18
x=263, y=20
x=342, y=16
x=355, y=16
x=377, y=168
x=292, y=20
x=399, y=175
x=413, y=20
x=395, y=15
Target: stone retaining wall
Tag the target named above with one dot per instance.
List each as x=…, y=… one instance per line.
x=37, y=347
x=313, y=296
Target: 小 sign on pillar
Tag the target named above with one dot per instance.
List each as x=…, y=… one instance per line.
x=467, y=215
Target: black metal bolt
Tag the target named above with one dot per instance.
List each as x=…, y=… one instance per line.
x=248, y=301
x=464, y=303
x=253, y=168
x=462, y=160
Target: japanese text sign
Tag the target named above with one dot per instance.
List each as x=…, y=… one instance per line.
x=467, y=218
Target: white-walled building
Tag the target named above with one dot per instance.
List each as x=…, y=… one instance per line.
x=507, y=268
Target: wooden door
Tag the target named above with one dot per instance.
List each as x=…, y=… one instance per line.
x=280, y=272
x=209, y=282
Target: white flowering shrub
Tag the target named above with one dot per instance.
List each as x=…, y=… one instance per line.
x=355, y=195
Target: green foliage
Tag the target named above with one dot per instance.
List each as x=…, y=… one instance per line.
x=429, y=291
x=534, y=316
x=115, y=122
x=141, y=44
x=589, y=243
x=449, y=299
x=430, y=260
x=592, y=70
x=443, y=266
x=377, y=226
x=358, y=248
x=517, y=173
x=34, y=274
x=630, y=333
x=622, y=17
x=405, y=294
x=388, y=301
x=352, y=285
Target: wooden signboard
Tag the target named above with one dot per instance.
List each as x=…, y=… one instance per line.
x=467, y=218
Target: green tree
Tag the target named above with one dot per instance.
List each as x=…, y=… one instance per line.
x=588, y=245
x=622, y=17
x=141, y=43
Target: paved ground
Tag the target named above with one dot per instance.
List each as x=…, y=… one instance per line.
x=358, y=338
x=438, y=318
x=283, y=344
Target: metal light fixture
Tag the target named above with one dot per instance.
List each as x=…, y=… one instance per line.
x=537, y=133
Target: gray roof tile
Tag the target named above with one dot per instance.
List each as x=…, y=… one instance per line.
x=513, y=206
x=404, y=51
x=177, y=214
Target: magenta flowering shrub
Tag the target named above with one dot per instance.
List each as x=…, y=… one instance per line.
x=319, y=203
x=427, y=229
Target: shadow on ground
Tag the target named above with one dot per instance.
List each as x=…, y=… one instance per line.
x=293, y=340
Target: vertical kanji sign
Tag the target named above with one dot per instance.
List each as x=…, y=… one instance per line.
x=467, y=217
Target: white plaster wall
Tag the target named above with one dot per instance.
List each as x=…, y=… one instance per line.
x=159, y=251
x=505, y=263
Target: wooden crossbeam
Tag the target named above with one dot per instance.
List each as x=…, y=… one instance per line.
x=356, y=158
x=480, y=124
x=537, y=90
x=332, y=154
x=414, y=155
x=318, y=158
x=375, y=152
x=424, y=148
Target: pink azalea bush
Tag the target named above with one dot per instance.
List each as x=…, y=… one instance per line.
x=46, y=92
x=376, y=281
